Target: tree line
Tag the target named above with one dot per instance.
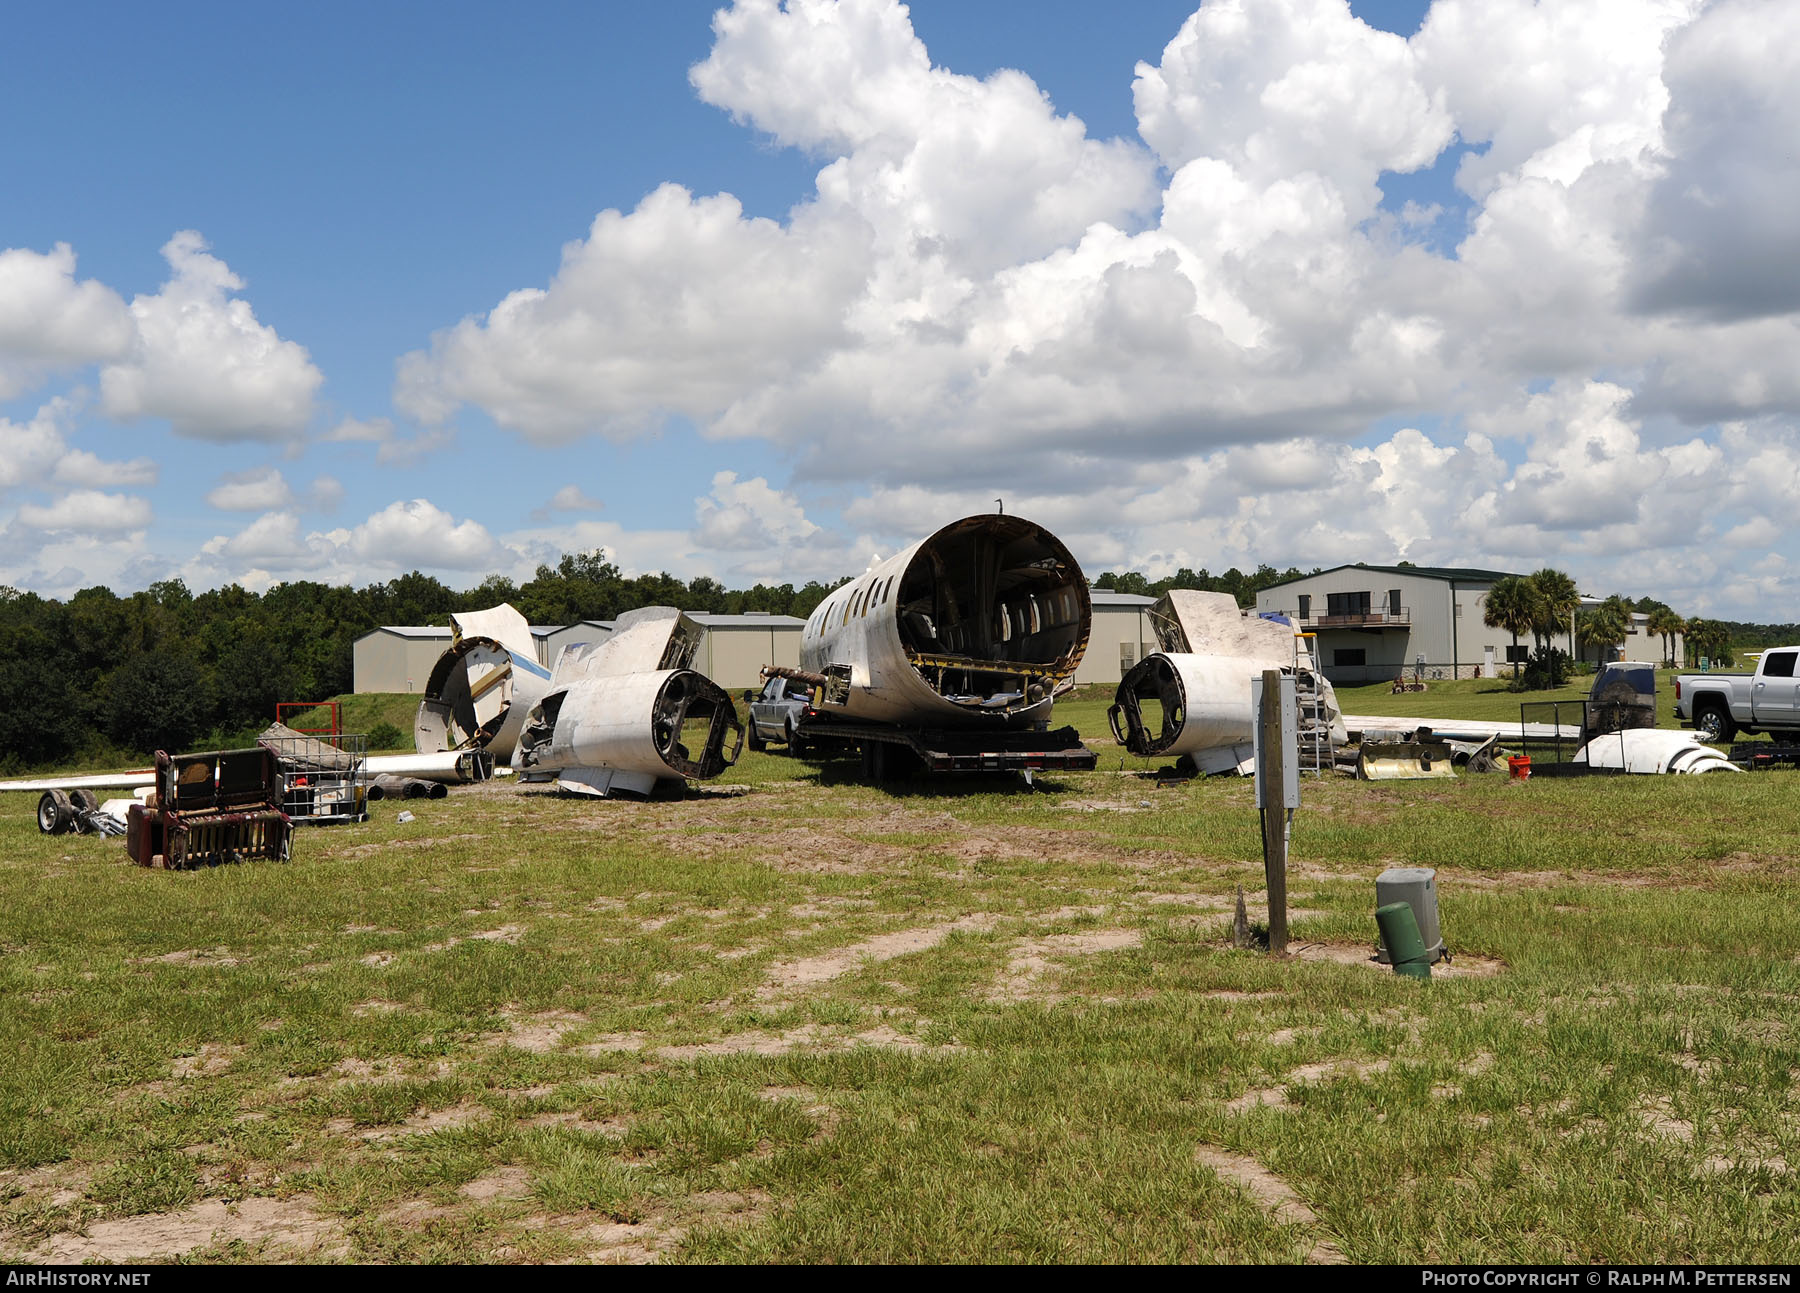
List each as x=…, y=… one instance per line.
x=99, y=676
x=1234, y=581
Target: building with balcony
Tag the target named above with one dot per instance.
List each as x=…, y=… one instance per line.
x=1373, y=622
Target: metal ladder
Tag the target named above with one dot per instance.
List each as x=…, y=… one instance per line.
x=1317, y=753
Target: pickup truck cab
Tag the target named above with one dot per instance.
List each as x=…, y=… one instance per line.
x=777, y=711
x=1720, y=705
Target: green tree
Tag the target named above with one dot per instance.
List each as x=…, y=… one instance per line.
x=1511, y=607
x=1556, y=597
x=1603, y=626
x=1665, y=623
x=1709, y=638
x=158, y=702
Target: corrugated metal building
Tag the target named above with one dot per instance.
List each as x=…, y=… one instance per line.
x=398, y=657
x=736, y=647
x=1120, y=637
x=571, y=635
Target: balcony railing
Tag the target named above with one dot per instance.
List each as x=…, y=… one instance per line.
x=1386, y=617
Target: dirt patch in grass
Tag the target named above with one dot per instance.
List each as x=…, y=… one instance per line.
x=420, y=1124
x=279, y=1224
x=212, y=1058
x=219, y=957
x=615, y=1243
x=539, y=1033
x=570, y=1121
x=808, y=850
x=1270, y=1193
x=808, y=1037
x=1331, y=1070
x=611, y=1043
x=55, y=1186
x=426, y=842
x=376, y=1006
x=505, y=934
x=1032, y=961
x=508, y=1183
x=814, y=970
x=355, y=1071
x=823, y=1114
x=1275, y=1097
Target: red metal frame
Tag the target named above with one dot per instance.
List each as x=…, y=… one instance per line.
x=336, y=708
x=218, y=806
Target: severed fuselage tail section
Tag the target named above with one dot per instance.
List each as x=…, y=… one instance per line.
x=481, y=689
x=626, y=713
x=1191, y=700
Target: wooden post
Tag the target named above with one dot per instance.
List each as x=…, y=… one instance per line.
x=1274, y=812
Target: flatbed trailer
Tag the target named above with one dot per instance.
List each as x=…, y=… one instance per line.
x=891, y=750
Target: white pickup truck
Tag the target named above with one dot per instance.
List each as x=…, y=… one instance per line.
x=1721, y=705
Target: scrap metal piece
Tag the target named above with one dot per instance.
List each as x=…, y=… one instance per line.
x=323, y=782
x=132, y=780
x=646, y=640
x=389, y=786
x=213, y=807
x=1404, y=761
x=483, y=686
x=1653, y=751
x=629, y=731
x=453, y=767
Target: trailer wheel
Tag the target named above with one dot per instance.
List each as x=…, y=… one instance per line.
x=1715, y=723
x=54, y=813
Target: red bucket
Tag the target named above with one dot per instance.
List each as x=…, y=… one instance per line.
x=1519, y=766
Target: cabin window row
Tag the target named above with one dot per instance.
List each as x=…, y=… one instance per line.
x=857, y=604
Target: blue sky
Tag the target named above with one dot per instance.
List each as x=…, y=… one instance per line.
x=372, y=175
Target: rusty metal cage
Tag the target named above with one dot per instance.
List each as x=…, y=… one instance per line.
x=323, y=777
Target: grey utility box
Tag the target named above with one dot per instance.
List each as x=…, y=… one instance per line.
x=1416, y=886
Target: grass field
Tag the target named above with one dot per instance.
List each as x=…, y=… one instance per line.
x=793, y=1018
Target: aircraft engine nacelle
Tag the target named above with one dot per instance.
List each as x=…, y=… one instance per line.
x=983, y=623
x=629, y=731
x=1182, y=704
x=1176, y=704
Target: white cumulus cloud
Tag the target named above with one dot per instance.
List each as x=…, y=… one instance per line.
x=260, y=489
x=50, y=320
x=203, y=361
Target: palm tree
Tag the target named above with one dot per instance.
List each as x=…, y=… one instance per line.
x=1665, y=623
x=1512, y=606
x=1604, y=625
x=1708, y=638
x=1557, y=598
